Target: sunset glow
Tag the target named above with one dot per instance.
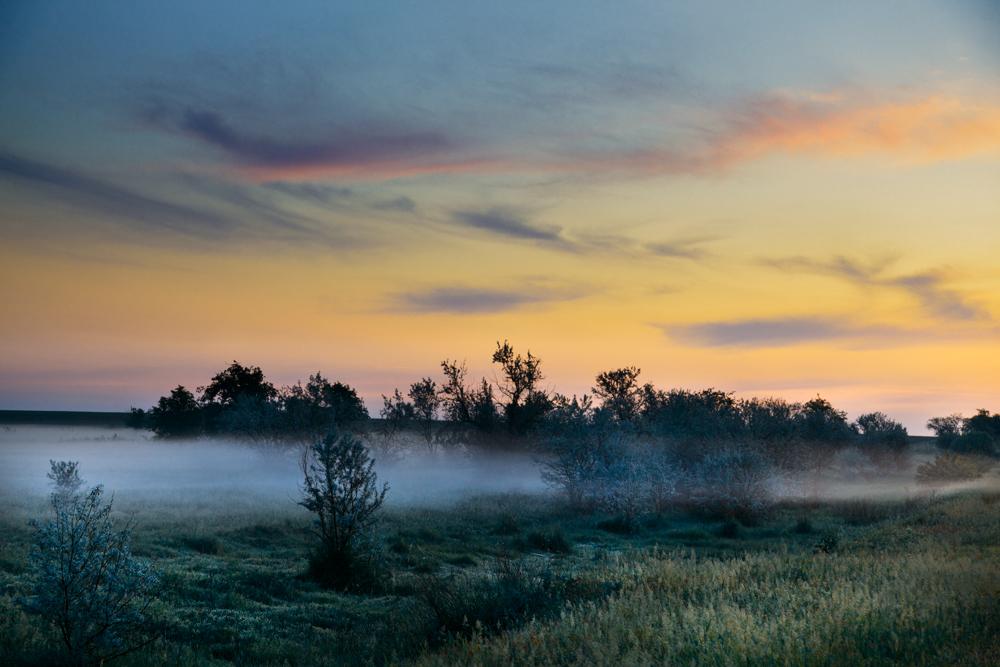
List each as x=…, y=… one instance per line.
x=767, y=200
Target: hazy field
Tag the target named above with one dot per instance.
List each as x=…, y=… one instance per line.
x=490, y=568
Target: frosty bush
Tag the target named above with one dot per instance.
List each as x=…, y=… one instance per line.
x=87, y=584
x=340, y=488
x=737, y=483
x=949, y=467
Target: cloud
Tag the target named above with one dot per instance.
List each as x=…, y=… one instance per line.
x=347, y=146
x=928, y=287
x=232, y=211
x=914, y=128
x=756, y=333
x=267, y=142
x=906, y=127
x=507, y=223
x=404, y=204
x=681, y=249
x=944, y=303
x=474, y=301
x=96, y=195
x=313, y=192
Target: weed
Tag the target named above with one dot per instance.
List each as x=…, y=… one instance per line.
x=804, y=526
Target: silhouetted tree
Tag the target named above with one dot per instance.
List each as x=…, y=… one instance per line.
x=136, y=419
x=526, y=404
x=770, y=424
x=176, y=416
x=946, y=429
x=227, y=386
x=708, y=416
x=620, y=391
x=258, y=422
x=236, y=381
x=825, y=431
x=984, y=422
x=426, y=401
x=468, y=408
x=882, y=439
x=977, y=435
x=320, y=406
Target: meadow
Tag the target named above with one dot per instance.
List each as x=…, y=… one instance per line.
x=489, y=567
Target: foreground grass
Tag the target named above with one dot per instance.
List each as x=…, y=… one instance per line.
x=514, y=579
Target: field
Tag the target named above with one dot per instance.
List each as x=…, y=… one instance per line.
x=490, y=568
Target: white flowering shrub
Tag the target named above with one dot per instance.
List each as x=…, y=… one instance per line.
x=88, y=585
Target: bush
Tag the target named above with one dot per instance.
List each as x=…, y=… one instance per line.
x=735, y=483
x=88, y=585
x=949, y=467
x=340, y=488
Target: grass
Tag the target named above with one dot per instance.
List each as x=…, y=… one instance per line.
x=515, y=579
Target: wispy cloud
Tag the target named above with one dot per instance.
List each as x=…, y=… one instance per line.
x=312, y=192
x=226, y=211
x=504, y=222
x=475, y=301
x=341, y=147
x=780, y=332
x=404, y=204
x=99, y=196
x=904, y=127
x=686, y=249
x=929, y=287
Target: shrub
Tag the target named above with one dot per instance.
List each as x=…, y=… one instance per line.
x=948, y=467
x=340, y=488
x=88, y=585
x=735, y=483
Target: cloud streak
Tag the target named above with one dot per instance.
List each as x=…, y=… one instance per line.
x=781, y=332
x=480, y=301
x=929, y=287
x=234, y=212
x=102, y=197
x=511, y=225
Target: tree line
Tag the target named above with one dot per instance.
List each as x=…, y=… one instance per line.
x=513, y=411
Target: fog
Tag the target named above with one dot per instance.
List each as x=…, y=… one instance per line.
x=134, y=465
x=201, y=477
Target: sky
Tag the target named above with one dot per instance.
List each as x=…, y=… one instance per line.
x=769, y=198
